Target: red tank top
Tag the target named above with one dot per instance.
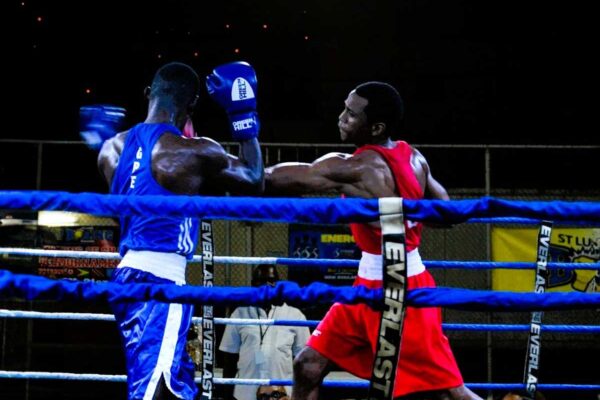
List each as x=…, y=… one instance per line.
x=367, y=237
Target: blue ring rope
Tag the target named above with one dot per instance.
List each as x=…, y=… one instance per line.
x=35, y=287
x=362, y=210
x=526, y=221
x=307, y=210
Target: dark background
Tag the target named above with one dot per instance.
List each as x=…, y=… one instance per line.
x=470, y=71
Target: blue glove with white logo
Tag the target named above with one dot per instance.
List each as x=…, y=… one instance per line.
x=233, y=86
x=99, y=122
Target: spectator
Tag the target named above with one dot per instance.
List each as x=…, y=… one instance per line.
x=265, y=392
x=261, y=351
x=522, y=396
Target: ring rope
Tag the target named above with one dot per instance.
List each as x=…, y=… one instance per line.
x=526, y=221
x=556, y=328
x=335, y=383
x=35, y=287
x=356, y=212
x=330, y=262
x=307, y=210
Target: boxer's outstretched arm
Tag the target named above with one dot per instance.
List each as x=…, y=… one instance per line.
x=333, y=173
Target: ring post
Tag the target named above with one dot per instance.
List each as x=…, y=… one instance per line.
x=534, y=343
x=383, y=376
x=208, y=330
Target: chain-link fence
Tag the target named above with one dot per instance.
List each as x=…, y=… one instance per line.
x=481, y=169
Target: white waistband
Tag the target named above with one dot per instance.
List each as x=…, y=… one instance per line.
x=163, y=265
x=370, y=265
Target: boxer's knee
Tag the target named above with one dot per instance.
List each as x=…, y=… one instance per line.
x=310, y=367
x=463, y=393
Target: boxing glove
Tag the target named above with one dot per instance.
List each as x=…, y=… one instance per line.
x=99, y=122
x=233, y=87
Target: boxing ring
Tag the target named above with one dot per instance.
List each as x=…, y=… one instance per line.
x=310, y=211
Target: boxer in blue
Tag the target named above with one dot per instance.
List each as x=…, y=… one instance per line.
x=155, y=157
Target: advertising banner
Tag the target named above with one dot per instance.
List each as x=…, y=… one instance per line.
x=571, y=245
x=78, y=238
x=326, y=241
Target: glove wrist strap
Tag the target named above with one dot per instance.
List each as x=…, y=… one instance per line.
x=244, y=126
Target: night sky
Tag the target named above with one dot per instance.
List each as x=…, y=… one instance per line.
x=502, y=72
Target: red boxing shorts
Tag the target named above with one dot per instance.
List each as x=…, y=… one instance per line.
x=348, y=337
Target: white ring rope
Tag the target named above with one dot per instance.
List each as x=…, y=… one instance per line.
x=593, y=329
x=290, y=261
x=123, y=378
x=110, y=317
x=116, y=256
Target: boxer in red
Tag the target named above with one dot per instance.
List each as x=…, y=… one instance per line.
x=380, y=167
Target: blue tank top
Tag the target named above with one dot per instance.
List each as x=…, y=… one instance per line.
x=133, y=176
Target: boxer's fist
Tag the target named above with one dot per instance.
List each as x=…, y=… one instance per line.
x=233, y=86
x=99, y=122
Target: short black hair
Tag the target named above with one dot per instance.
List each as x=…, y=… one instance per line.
x=177, y=81
x=385, y=104
x=263, y=270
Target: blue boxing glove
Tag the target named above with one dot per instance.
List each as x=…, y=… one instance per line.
x=233, y=86
x=97, y=123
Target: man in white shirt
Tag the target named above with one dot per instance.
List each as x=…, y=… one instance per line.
x=261, y=351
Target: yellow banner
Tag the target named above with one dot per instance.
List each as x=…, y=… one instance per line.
x=566, y=245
